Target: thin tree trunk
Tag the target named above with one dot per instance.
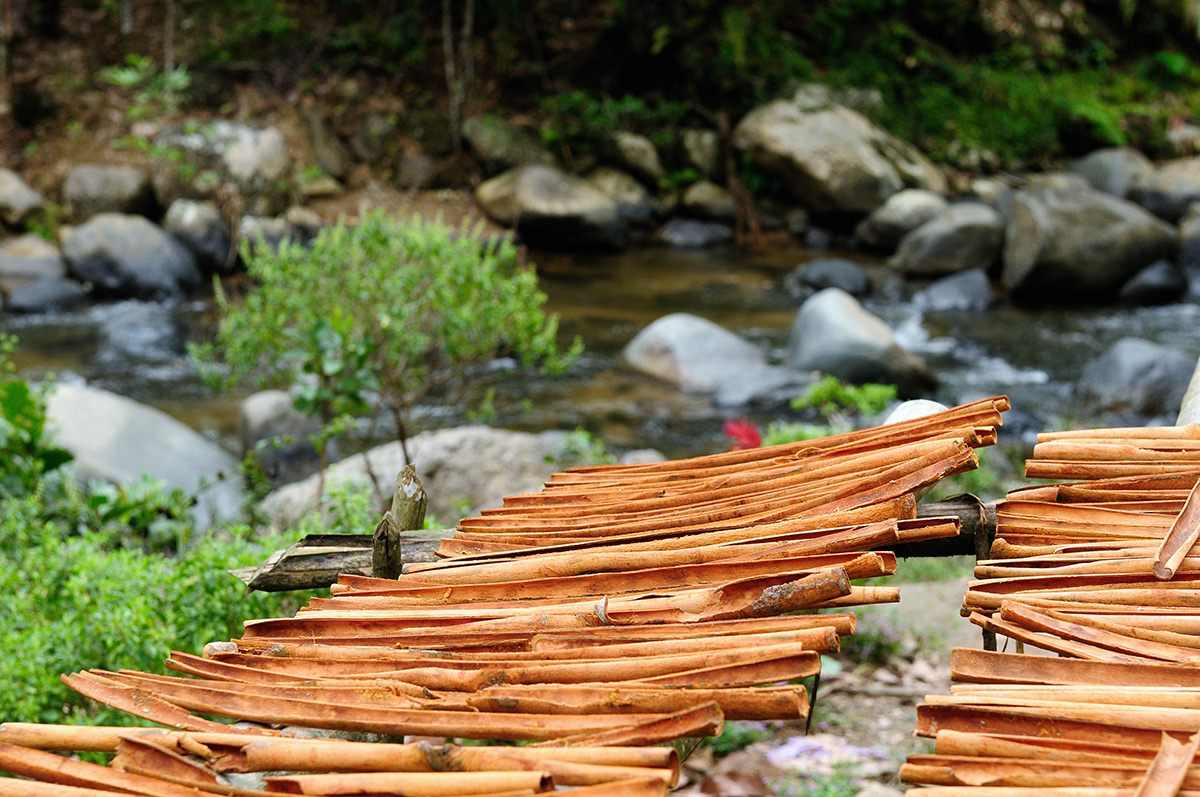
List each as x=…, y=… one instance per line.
x=466, y=50
x=169, y=37
x=451, y=74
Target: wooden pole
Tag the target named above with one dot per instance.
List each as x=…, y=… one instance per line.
x=407, y=513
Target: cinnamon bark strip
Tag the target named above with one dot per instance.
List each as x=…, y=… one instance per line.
x=1054, y=644
x=142, y=756
x=944, y=770
x=1130, y=696
x=1189, y=431
x=1184, y=532
x=773, y=559
x=981, y=666
x=1186, y=451
x=1024, y=721
x=634, y=787
x=990, y=745
x=147, y=706
x=1170, y=767
x=768, y=703
x=34, y=788
x=702, y=720
x=412, y=784
x=1063, y=470
x=50, y=768
x=1092, y=634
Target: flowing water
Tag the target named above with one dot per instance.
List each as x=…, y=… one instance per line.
x=1033, y=355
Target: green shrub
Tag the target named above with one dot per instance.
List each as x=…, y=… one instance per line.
x=393, y=307
x=77, y=601
x=831, y=397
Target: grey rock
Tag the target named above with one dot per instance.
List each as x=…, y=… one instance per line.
x=768, y=385
x=203, y=230
x=17, y=200
x=225, y=156
x=473, y=465
x=634, y=202
x=707, y=200
x=92, y=188
x=305, y=221
x=691, y=352
x=797, y=223
x=369, y=141
x=266, y=234
x=1169, y=190
x=961, y=237
x=1136, y=375
x=702, y=152
x=902, y=213
x=416, y=171
x=1068, y=240
x=834, y=334
x=833, y=272
x=129, y=256
x=911, y=409
x=331, y=154
x=637, y=154
x=116, y=439
x=968, y=291
x=1189, y=238
x=139, y=333
x=500, y=145
x=1157, y=283
x=548, y=207
x=28, y=259
x=694, y=234
x=816, y=238
x=641, y=456
x=270, y=426
x=819, y=96
x=46, y=295
x=833, y=159
x=1113, y=170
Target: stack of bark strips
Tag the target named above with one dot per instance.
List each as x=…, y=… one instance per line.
x=619, y=607
x=1104, y=572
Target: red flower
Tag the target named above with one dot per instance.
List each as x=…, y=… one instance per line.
x=743, y=433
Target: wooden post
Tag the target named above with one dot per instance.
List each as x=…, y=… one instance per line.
x=407, y=513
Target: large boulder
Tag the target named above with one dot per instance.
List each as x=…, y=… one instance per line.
x=694, y=234
x=637, y=154
x=17, y=200
x=331, y=154
x=27, y=259
x=473, y=467
x=901, y=214
x=1113, y=170
x=216, y=157
x=1138, y=376
x=46, y=295
x=92, y=188
x=1189, y=238
x=834, y=334
x=830, y=272
x=135, y=334
x=116, y=439
x=203, y=230
x=701, y=151
x=548, y=207
x=961, y=237
x=832, y=159
x=702, y=357
x=1169, y=190
x=1158, y=283
x=634, y=202
x=500, y=145
x=965, y=291
x=129, y=256
x=708, y=200
x=1068, y=240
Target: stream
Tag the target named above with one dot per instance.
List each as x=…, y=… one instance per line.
x=1033, y=355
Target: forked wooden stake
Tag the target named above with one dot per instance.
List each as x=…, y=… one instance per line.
x=407, y=513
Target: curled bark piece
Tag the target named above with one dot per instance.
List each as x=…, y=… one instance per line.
x=1167, y=772
x=1184, y=533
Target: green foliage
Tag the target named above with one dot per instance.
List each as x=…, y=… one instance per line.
x=45, y=222
x=396, y=307
x=831, y=397
x=146, y=510
x=76, y=601
x=740, y=734
x=155, y=91
x=26, y=450
x=581, y=448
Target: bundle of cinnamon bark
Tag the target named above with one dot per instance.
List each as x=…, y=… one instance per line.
x=1104, y=572
x=619, y=607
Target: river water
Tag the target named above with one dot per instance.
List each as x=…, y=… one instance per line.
x=1033, y=355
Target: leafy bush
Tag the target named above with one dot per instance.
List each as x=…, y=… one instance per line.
x=25, y=448
x=75, y=601
x=392, y=307
x=831, y=397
